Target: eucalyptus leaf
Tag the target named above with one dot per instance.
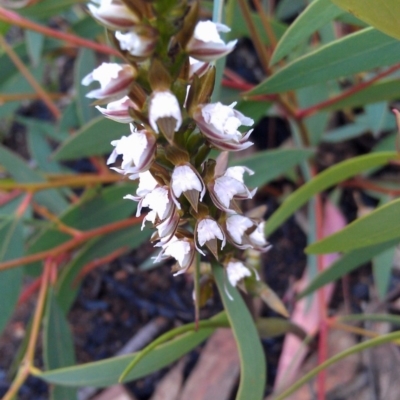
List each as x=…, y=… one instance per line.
x=325, y=180
x=315, y=16
x=383, y=14
x=357, y=52
x=251, y=353
x=379, y=226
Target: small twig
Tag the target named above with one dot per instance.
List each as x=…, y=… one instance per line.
x=28, y=360
x=71, y=244
x=70, y=181
x=306, y=112
x=30, y=78
x=15, y=19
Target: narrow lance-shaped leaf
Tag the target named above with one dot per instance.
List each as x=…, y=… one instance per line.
x=252, y=359
x=357, y=52
x=315, y=16
x=11, y=246
x=324, y=180
x=379, y=226
x=106, y=372
x=383, y=14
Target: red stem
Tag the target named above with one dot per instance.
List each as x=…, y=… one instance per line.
x=306, y=112
x=15, y=19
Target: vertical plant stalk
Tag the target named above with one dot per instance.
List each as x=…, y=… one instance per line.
x=28, y=360
x=324, y=329
x=30, y=78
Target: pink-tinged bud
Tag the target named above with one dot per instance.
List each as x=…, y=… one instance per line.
x=139, y=43
x=165, y=112
x=206, y=43
x=219, y=124
x=137, y=150
x=114, y=80
x=113, y=14
x=197, y=67
x=118, y=110
x=236, y=271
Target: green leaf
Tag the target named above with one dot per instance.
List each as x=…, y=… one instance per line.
x=382, y=266
x=251, y=353
x=381, y=225
x=347, y=263
x=383, y=14
x=325, y=180
x=392, y=319
x=48, y=8
x=92, y=139
x=360, y=51
x=57, y=345
x=102, y=208
x=315, y=16
x=391, y=337
x=11, y=246
x=21, y=172
x=35, y=43
x=106, y=372
x=270, y=164
x=85, y=63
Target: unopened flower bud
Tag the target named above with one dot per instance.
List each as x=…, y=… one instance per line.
x=113, y=14
x=165, y=113
x=206, y=43
x=118, y=110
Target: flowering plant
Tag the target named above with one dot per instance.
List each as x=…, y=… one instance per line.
x=141, y=152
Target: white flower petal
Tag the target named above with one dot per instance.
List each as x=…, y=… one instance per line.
x=184, y=179
x=236, y=272
x=208, y=229
x=226, y=188
x=236, y=225
x=164, y=104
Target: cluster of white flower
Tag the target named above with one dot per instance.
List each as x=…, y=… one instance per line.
x=192, y=200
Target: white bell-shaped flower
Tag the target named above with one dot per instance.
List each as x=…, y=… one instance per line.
x=114, y=80
x=137, y=150
x=230, y=187
x=236, y=226
x=206, y=43
x=182, y=250
x=207, y=232
x=137, y=45
x=236, y=271
x=219, y=124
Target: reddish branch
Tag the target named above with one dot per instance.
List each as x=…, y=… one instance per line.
x=306, y=112
x=15, y=19
x=71, y=244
